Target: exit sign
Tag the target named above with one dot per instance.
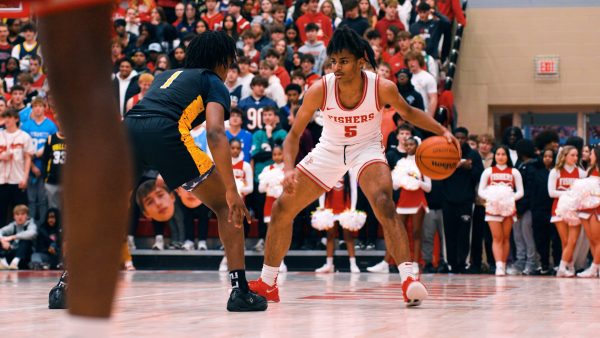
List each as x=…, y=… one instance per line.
x=547, y=67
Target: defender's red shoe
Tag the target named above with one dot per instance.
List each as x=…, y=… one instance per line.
x=414, y=292
x=271, y=293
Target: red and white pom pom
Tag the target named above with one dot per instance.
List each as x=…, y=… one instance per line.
x=567, y=206
x=322, y=219
x=352, y=220
x=406, y=175
x=589, y=191
x=273, y=179
x=499, y=200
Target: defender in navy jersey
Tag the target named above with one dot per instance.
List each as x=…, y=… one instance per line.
x=159, y=127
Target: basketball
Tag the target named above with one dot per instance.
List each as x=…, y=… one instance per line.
x=437, y=158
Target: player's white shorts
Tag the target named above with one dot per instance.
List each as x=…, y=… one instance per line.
x=326, y=164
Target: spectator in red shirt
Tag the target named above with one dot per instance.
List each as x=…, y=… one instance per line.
x=397, y=60
x=324, y=23
x=390, y=19
x=452, y=9
x=212, y=15
x=274, y=58
x=235, y=8
x=179, y=11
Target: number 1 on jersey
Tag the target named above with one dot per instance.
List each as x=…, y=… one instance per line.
x=350, y=131
x=171, y=79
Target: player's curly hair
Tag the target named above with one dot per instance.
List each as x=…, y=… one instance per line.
x=209, y=50
x=348, y=39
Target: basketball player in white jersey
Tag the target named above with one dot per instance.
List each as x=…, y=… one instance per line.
x=351, y=100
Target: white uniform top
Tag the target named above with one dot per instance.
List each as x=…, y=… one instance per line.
x=343, y=126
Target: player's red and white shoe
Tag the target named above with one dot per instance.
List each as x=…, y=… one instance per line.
x=271, y=293
x=414, y=292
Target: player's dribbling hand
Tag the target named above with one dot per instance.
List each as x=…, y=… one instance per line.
x=289, y=181
x=237, y=209
x=451, y=139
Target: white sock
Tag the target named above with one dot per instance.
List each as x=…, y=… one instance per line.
x=407, y=270
x=15, y=261
x=3, y=261
x=571, y=266
x=330, y=261
x=79, y=326
x=269, y=274
x=563, y=265
x=352, y=260
x=596, y=266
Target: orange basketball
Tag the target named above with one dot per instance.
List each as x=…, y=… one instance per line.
x=437, y=158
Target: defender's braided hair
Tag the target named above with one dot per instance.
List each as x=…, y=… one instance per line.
x=209, y=50
x=348, y=39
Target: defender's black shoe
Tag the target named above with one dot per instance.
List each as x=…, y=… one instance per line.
x=57, y=299
x=240, y=301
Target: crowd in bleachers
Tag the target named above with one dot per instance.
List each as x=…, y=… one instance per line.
x=281, y=52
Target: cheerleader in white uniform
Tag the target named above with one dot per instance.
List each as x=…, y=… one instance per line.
x=264, y=186
x=501, y=172
x=559, y=181
x=591, y=220
x=412, y=203
x=340, y=198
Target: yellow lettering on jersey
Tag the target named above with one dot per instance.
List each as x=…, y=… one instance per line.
x=171, y=79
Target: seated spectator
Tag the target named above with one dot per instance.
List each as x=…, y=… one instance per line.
x=396, y=61
x=39, y=83
x=48, y=253
x=321, y=20
x=430, y=27
x=132, y=20
x=245, y=76
x=417, y=44
x=177, y=57
x=26, y=80
x=144, y=82
x=234, y=130
x=116, y=53
x=235, y=7
x=314, y=47
x=253, y=105
x=278, y=15
x=385, y=71
x=138, y=58
x=128, y=40
x=229, y=27
x=407, y=90
x=213, y=16
x=424, y=82
x=293, y=92
x=249, y=49
x=17, y=102
x=258, y=29
x=16, y=240
x=292, y=37
x=273, y=57
x=179, y=12
x=274, y=91
x=10, y=74
x=299, y=79
x=188, y=22
x=233, y=84
x=390, y=19
x=327, y=8
x=373, y=37
x=125, y=83
x=353, y=19
x=200, y=27
x=265, y=139
x=307, y=64
x=25, y=50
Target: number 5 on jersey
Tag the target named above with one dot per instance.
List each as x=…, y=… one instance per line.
x=350, y=131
